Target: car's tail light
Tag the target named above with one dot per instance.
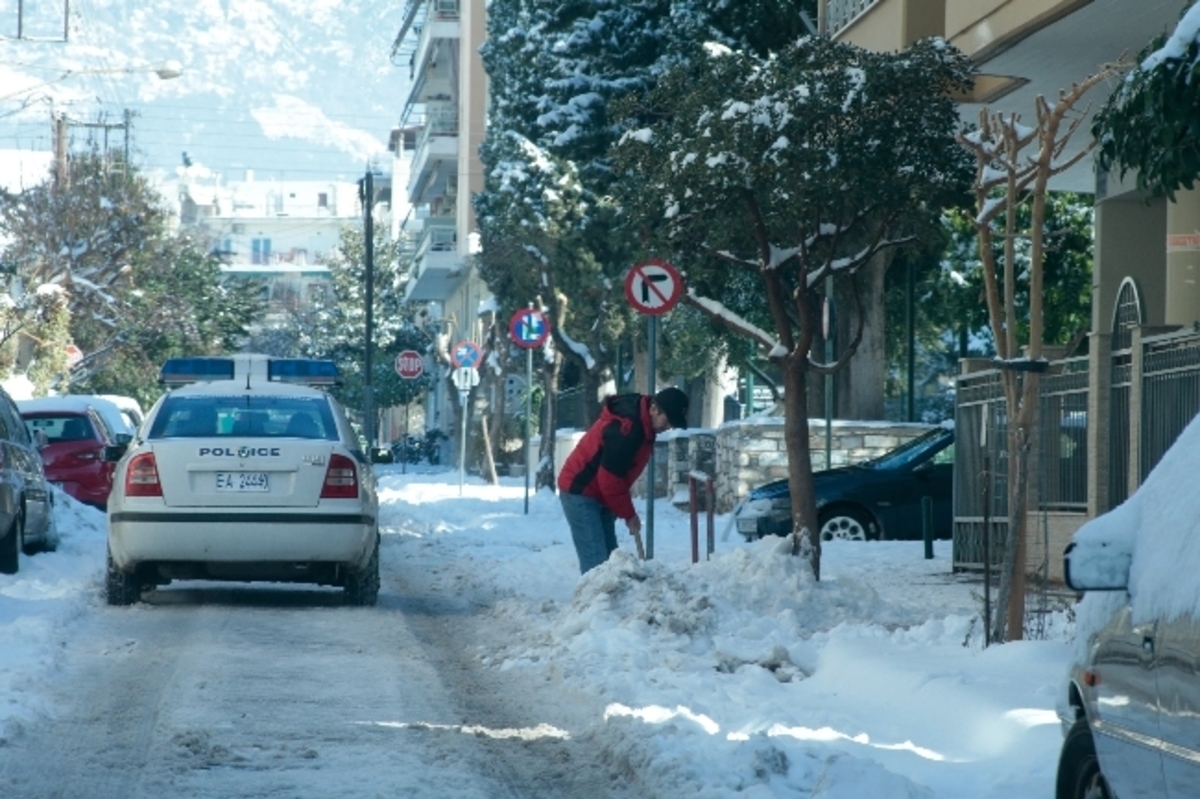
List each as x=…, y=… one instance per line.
x=141, y=477
x=341, y=479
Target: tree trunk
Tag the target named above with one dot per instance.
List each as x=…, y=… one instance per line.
x=806, y=541
x=860, y=386
x=488, y=467
x=546, y=478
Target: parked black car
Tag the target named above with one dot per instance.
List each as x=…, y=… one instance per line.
x=26, y=503
x=872, y=500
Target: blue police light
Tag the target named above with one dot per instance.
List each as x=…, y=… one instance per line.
x=181, y=371
x=308, y=371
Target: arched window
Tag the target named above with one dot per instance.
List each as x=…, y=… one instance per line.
x=1127, y=314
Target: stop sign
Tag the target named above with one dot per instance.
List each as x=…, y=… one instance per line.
x=410, y=364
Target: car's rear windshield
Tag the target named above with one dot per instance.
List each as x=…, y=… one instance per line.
x=61, y=427
x=245, y=416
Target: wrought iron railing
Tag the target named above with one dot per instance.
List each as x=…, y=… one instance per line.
x=840, y=13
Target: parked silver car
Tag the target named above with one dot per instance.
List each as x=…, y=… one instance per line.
x=1131, y=709
x=26, y=501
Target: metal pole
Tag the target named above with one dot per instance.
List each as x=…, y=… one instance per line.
x=826, y=327
x=528, y=414
x=912, y=355
x=368, y=387
x=404, y=449
x=987, y=531
x=462, y=444
x=652, y=353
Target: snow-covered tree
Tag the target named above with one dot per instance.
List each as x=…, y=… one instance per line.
x=764, y=177
x=1149, y=123
x=135, y=293
x=335, y=327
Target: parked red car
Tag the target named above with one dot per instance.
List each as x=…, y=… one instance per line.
x=79, y=450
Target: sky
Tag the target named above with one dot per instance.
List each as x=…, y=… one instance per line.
x=737, y=674
x=292, y=89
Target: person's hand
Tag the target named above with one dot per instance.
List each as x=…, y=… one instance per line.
x=635, y=525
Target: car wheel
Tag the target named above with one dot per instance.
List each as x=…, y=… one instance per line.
x=121, y=588
x=10, y=547
x=1079, y=775
x=362, y=587
x=846, y=524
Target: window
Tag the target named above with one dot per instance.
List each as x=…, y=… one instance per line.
x=260, y=251
x=322, y=200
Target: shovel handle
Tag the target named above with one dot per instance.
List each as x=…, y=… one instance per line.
x=637, y=539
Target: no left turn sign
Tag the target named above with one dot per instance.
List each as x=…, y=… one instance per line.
x=653, y=287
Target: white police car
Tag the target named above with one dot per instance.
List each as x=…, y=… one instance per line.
x=246, y=475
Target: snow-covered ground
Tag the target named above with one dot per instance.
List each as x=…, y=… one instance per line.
x=736, y=675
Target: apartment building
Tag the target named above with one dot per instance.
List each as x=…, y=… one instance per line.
x=1104, y=419
x=442, y=127
x=271, y=230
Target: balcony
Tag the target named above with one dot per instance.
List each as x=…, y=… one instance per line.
x=437, y=266
x=435, y=60
x=435, y=158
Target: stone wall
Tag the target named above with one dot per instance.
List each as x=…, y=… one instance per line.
x=744, y=454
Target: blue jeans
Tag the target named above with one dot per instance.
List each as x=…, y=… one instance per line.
x=593, y=529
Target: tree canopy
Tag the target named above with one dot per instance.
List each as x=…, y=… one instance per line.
x=762, y=177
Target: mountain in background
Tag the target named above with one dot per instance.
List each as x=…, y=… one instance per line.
x=290, y=89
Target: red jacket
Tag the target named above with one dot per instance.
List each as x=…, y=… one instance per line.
x=612, y=454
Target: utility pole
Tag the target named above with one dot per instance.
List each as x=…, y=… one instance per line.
x=61, y=175
x=369, y=236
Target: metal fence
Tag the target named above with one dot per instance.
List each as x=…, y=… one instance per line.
x=1062, y=451
x=1170, y=393
x=980, y=470
x=1163, y=401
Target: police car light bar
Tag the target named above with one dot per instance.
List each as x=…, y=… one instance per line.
x=181, y=371
x=307, y=371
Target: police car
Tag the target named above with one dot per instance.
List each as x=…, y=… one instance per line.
x=246, y=470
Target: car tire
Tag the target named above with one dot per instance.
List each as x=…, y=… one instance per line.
x=362, y=587
x=10, y=547
x=121, y=588
x=846, y=524
x=1079, y=775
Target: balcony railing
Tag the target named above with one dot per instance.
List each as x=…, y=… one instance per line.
x=840, y=13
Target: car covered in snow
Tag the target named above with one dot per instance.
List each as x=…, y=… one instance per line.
x=1130, y=710
x=878, y=499
x=246, y=470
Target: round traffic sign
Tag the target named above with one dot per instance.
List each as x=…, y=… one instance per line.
x=410, y=365
x=466, y=353
x=529, y=328
x=653, y=287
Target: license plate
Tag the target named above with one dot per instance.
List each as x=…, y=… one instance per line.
x=242, y=481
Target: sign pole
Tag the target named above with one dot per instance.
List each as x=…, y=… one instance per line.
x=652, y=357
x=462, y=444
x=528, y=329
x=404, y=449
x=528, y=414
x=653, y=288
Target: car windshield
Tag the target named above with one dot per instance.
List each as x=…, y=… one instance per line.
x=245, y=416
x=906, y=453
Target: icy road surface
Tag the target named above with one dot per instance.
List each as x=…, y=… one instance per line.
x=222, y=690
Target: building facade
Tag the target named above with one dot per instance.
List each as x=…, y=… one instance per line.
x=1104, y=419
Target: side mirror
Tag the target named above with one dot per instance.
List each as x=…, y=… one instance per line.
x=923, y=468
x=1096, y=566
x=114, y=452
